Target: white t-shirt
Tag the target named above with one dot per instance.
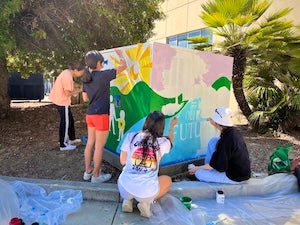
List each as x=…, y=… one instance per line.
x=141, y=178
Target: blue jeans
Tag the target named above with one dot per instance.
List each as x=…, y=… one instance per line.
x=211, y=147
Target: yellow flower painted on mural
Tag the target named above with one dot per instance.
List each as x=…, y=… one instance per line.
x=139, y=64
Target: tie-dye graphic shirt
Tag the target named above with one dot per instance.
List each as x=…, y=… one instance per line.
x=139, y=176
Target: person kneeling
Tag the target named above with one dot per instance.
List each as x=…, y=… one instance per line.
x=140, y=154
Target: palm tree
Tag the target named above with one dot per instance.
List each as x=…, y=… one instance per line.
x=273, y=87
x=244, y=27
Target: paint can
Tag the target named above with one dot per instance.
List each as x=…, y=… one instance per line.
x=220, y=197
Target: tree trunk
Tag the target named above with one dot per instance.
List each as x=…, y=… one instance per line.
x=239, y=64
x=4, y=97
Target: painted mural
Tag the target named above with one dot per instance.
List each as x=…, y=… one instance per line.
x=179, y=82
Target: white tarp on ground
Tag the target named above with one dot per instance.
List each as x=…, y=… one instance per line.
x=32, y=203
x=271, y=200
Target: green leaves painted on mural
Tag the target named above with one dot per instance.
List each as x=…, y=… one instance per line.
x=221, y=82
x=137, y=104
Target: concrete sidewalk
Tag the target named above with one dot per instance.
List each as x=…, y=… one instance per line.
x=102, y=203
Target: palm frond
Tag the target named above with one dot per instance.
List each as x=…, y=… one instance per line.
x=290, y=79
x=214, y=20
x=257, y=118
x=260, y=7
x=244, y=20
x=294, y=66
x=294, y=49
x=196, y=40
x=295, y=102
x=278, y=14
x=200, y=43
x=275, y=27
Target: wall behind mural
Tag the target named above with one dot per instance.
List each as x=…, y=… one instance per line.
x=180, y=82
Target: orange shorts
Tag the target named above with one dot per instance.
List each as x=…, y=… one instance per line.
x=100, y=122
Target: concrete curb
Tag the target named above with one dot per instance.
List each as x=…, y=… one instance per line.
x=99, y=192
x=108, y=192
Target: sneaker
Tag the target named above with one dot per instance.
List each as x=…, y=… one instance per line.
x=102, y=178
x=127, y=205
x=67, y=148
x=73, y=142
x=87, y=176
x=144, y=208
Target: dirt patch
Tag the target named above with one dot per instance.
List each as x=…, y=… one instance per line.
x=29, y=145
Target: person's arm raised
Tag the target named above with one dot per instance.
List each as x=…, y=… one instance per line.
x=123, y=63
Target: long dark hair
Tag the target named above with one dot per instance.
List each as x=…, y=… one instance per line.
x=91, y=60
x=153, y=128
x=87, y=76
x=155, y=124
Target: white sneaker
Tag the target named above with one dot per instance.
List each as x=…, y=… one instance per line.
x=73, y=142
x=144, y=208
x=102, y=178
x=127, y=205
x=67, y=148
x=87, y=176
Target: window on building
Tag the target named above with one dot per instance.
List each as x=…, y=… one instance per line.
x=180, y=39
x=207, y=33
x=196, y=33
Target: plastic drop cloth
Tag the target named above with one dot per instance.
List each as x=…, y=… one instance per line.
x=9, y=204
x=38, y=206
x=274, y=200
x=170, y=211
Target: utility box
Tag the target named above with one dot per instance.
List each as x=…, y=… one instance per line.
x=183, y=83
x=31, y=88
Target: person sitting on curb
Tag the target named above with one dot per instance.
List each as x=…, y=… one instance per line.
x=140, y=154
x=227, y=160
x=295, y=169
